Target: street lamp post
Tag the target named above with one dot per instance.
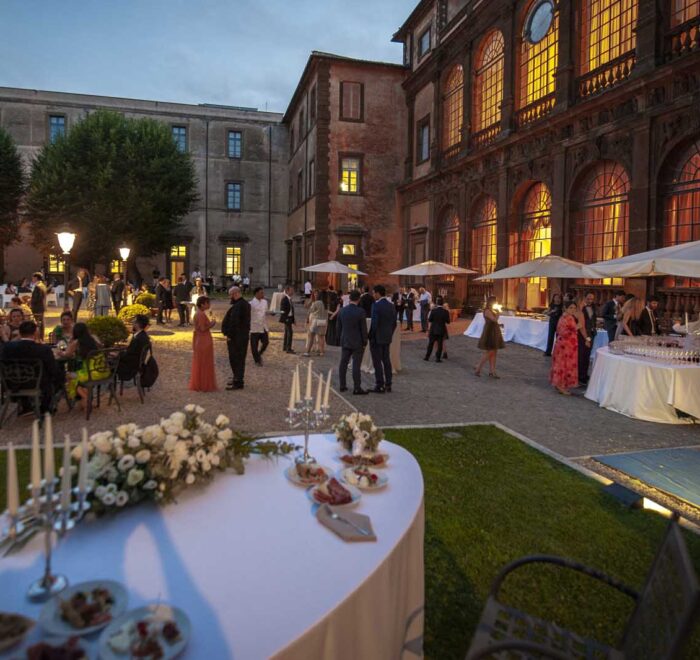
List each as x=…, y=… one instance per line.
x=66, y=239
x=124, y=253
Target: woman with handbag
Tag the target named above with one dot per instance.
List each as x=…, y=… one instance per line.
x=316, y=322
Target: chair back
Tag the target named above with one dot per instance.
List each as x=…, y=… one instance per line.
x=3, y=288
x=18, y=376
x=101, y=365
x=667, y=605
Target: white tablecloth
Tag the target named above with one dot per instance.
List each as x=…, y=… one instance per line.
x=644, y=389
x=394, y=354
x=276, y=302
x=255, y=571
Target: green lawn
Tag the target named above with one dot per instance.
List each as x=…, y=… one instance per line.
x=490, y=499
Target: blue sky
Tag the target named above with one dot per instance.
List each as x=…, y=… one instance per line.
x=235, y=52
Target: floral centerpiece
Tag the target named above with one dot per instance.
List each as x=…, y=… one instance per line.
x=358, y=434
x=132, y=464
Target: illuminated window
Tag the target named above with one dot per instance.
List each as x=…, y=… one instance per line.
x=452, y=108
x=449, y=239
x=352, y=278
x=681, y=222
x=535, y=239
x=483, y=258
x=56, y=263
x=538, y=58
x=232, y=260
x=684, y=10
x=602, y=217
x=115, y=266
x=235, y=141
x=57, y=127
x=488, y=83
x=423, y=140
x=352, y=97
x=233, y=196
x=178, y=251
x=608, y=31
x=180, y=137
x=350, y=175
x=348, y=249
x=424, y=43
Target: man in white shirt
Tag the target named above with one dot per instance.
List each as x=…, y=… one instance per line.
x=307, y=289
x=259, y=337
x=196, y=274
x=424, y=300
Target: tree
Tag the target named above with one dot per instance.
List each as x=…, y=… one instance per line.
x=114, y=180
x=11, y=190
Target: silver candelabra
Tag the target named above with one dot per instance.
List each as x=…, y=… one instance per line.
x=44, y=511
x=304, y=416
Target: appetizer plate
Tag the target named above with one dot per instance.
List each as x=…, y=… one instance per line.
x=155, y=612
x=381, y=465
x=354, y=493
x=345, y=475
x=61, y=645
x=50, y=617
x=293, y=476
x=13, y=629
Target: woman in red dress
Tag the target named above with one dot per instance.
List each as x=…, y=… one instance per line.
x=564, y=373
x=203, y=377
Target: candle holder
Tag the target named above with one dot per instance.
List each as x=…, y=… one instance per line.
x=304, y=416
x=44, y=512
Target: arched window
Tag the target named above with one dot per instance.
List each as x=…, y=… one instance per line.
x=684, y=10
x=602, y=217
x=608, y=31
x=449, y=238
x=484, y=236
x=681, y=221
x=488, y=83
x=539, y=55
x=535, y=238
x=452, y=108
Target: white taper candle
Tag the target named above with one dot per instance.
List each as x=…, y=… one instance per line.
x=328, y=388
x=319, y=395
x=297, y=384
x=82, y=472
x=309, y=376
x=12, y=485
x=36, y=460
x=49, y=470
x=65, y=481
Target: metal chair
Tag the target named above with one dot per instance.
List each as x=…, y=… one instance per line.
x=145, y=351
x=20, y=379
x=658, y=626
x=102, y=369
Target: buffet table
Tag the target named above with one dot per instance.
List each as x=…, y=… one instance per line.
x=254, y=570
x=644, y=388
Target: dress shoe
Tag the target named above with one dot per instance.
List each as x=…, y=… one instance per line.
x=438, y=360
x=387, y=388
x=378, y=390
x=360, y=391
x=230, y=386
x=426, y=358
x=342, y=389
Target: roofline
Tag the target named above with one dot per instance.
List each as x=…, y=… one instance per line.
x=413, y=16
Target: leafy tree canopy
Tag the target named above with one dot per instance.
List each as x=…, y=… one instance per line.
x=11, y=188
x=113, y=180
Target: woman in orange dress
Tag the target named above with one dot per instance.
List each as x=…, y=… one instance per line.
x=564, y=372
x=203, y=376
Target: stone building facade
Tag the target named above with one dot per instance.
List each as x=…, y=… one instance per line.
x=345, y=125
x=538, y=126
x=240, y=155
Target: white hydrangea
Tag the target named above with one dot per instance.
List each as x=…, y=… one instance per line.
x=133, y=442
x=222, y=420
x=104, y=443
x=225, y=435
x=178, y=417
x=170, y=442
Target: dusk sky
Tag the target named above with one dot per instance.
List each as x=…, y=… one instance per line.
x=234, y=52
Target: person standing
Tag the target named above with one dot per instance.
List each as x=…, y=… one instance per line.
x=203, y=374
x=554, y=313
x=117, y=292
x=236, y=328
x=168, y=304
x=352, y=330
x=38, y=302
x=381, y=332
x=630, y=314
x=160, y=299
x=196, y=275
x=439, y=319
x=366, y=302
x=181, y=296
x=612, y=311
x=491, y=340
x=103, y=296
x=399, y=302
x=564, y=371
x=587, y=333
x=316, y=323
x=410, y=306
x=424, y=300
x=333, y=310
x=259, y=334
x=308, y=288
x=648, y=321
x=287, y=319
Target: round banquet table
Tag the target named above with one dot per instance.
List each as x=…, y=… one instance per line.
x=644, y=388
x=255, y=571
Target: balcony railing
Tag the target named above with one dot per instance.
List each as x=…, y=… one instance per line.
x=486, y=136
x=535, y=111
x=683, y=39
x=604, y=77
x=452, y=151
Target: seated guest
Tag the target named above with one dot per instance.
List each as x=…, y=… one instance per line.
x=28, y=348
x=648, y=321
x=14, y=320
x=4, y=328
x=130, y=358
x=79, y=348
x=24, y=287
x=18, y=303
x=64, y=332
x=10, y=290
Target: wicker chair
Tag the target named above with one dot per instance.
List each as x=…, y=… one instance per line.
x=659, y=624
x=20, y=379
x=102, y=369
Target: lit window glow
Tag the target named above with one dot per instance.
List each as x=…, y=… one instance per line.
x=488, y=83
x=538, y=65
x=232, y=260
x=453, y=107
x=350, y=176
x=348, y=249
x=683, y=11
x=178, y=251
x=483, y=257
x=56, y=263
x=608, y=31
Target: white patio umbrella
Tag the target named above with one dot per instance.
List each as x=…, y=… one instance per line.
x=430, y=268
x=549, y=266
x=680, y=260
x=332, y=267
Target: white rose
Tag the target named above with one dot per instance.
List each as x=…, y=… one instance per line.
x=192, y=460
x=190, y=407
x=222, y=420
x=120, y=452
x=199, y=410
x=112, y=488
x=206, y=466
x=201, y=455
x=215, y=460
x=184, y=433
x=190, y=479
x=126, y=462
x=150, y=485
x=225, y=435
x=77, y=452
x=122, y=498
x=170, y=442
x=103, y=444
x=197, y=440
x=178, y=417
x=143, y=456
x=111, y=474
x=100, y=492
x=109, y=499
x=123, y=430
x=134, y=477
x=133, y=442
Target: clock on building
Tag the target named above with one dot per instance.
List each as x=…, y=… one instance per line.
x=539, y=20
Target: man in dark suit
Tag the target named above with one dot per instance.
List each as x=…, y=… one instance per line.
x=366, y=302
x=399, y=303
x=439, y=318
x=352, y=330
x=410, y=306
x=611, y=313
x=236, y=328
x=648, y=321
x=27, y=348
x=381, y=332
x=130, y=359
x=181, y=296
x=38, y=302
x=75, y=291
x=117, y=292
x=287, y=319
x=160, y=299
x=586, y=336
